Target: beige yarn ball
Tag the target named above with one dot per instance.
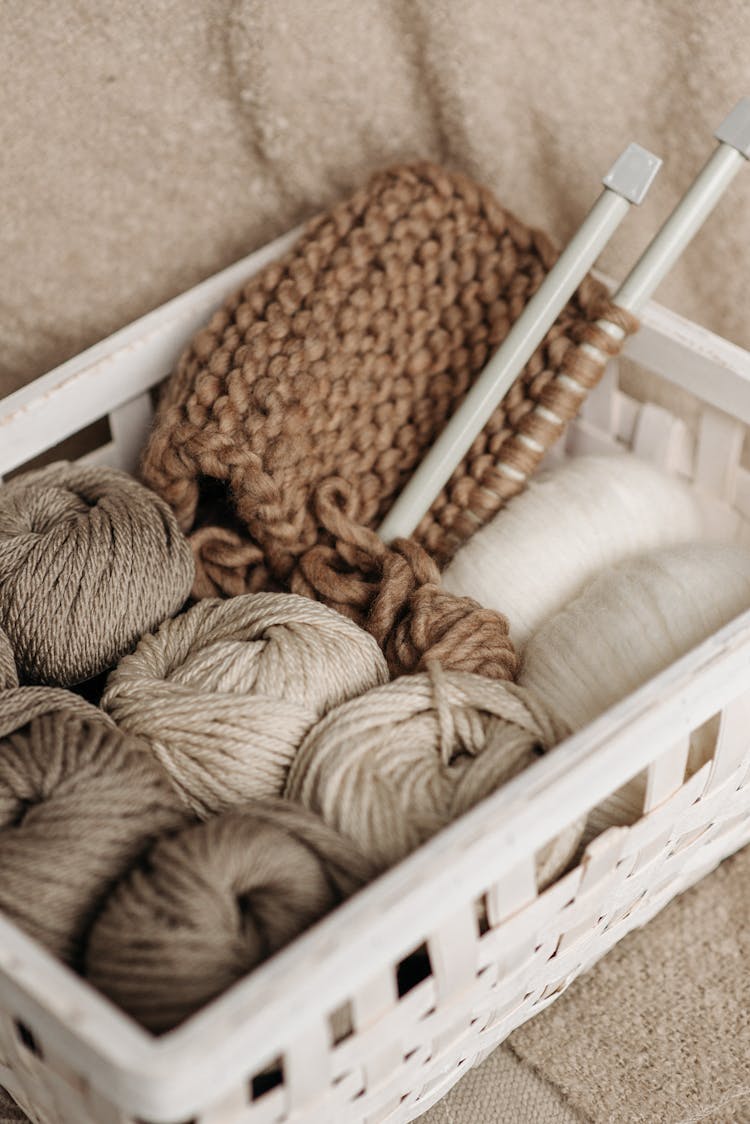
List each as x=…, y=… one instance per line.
x=391, y=768
x=89, y=560
x=208, y=904
x=629, y=624
x=78, y=803
x=224, y=694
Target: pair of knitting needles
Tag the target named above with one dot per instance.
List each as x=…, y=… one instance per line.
x=627, y=182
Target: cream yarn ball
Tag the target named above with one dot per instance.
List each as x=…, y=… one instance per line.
x=625, y=627
x=392, y=767
x=567, y=526
x=224, y=694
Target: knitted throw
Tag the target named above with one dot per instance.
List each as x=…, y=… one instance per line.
x=296, y=416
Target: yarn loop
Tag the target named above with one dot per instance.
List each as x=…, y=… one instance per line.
x=396, y=593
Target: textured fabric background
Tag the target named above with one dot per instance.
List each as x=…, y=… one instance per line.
x=146, y=145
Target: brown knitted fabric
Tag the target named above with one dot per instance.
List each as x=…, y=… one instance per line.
x=310, y=398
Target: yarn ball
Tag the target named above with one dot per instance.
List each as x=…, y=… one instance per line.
x=392, y=767
x=570, y=524
x=208, y=904
x=625, y=627
x=89, y=560
x=78, y=802
x=224, y=694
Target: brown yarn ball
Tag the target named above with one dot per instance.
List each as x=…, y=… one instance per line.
x=207, y=905
x=78, y=803
x=89, y=561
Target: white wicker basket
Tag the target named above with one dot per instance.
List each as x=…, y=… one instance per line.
x=69, y=1057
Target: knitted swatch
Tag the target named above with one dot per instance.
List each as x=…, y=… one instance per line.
x=309, y=399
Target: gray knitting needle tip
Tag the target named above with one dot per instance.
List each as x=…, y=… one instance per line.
x=731, y=154
x=625, y=183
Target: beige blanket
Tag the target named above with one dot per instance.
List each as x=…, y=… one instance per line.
x=147, y=145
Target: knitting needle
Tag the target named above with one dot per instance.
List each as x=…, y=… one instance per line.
x=627, y=182
x=732, y=153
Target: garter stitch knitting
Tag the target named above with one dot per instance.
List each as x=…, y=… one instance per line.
x=313, y=394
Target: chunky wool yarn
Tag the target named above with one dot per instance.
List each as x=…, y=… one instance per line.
x=224, y=694
x=89, y=560
x=389, y=769
x=78, y=803
x=208, y=904
x=626, y=626
x=570, y=524
x=309, y=399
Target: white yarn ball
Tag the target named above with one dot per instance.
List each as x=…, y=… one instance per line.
x=568, y=525
x=625, y=627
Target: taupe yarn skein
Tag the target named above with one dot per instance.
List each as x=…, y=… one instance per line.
x=89, y=560
x=205, y=906
x=78, y=803
x=392, y=767
x=224, y=694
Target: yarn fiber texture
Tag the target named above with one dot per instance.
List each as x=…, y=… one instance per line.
x=224, y=694
x=392, y=767
x=625, y=627
x=89, y=560
x=208, y=904
x=18, y=705
x=309, y=399
x=78, y=803
x=571, y=524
